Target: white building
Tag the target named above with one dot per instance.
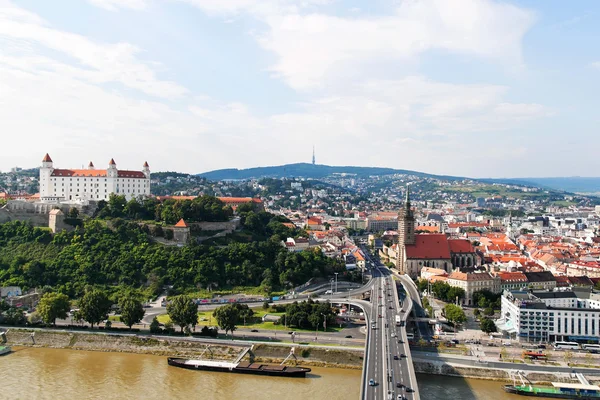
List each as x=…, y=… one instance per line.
x=551, y=315
x=58, y=185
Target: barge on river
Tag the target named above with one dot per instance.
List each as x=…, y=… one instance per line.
x=239, y=367
x=557, y=391
x=4, y=350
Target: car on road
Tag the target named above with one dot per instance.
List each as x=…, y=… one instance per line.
x=391, y=308
x=401, y=397
x=396, y=357
x=402, y=355
x=400, y=341
x=371, y=382
x=254, y=330
x=379, y=315
x=348, y=336
x=399, y=385
x=409, y=390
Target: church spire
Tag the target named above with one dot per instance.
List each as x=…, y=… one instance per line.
x=407, y=201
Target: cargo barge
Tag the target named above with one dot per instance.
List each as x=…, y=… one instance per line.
x=239, y=368
x=4, y=350
x=557, y=391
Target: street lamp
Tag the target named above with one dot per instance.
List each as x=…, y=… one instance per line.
x=331, y=287
x=336, y=274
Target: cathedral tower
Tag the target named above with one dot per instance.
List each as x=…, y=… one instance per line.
x=406, y=232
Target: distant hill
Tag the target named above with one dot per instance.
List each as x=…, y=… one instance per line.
x=305, y=170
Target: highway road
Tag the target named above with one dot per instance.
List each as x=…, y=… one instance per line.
x=389, y=362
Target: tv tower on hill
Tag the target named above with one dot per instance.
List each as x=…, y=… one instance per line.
x=313, y=159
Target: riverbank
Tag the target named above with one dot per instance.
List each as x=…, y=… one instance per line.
x=186, y=347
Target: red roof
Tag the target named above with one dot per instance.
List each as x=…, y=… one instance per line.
x=97, y=173
x=460, y=246
x=112, y=162
x=146, y=164
x=47, y=158
x=91, y=164
x=433, y=246
x=181, y=224
x=79, y=172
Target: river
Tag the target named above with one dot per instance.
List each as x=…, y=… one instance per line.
x=38, y=373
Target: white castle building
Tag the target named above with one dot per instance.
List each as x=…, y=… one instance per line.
x=57, y=185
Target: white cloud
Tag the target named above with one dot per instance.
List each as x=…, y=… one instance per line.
x=595, y=64
x=114, y=5
x=24, y=35
x=58, y=95
x=313, y=48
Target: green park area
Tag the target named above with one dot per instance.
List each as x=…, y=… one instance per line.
x=255, y=322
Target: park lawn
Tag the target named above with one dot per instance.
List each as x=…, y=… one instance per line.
x=207, y=318
x=114, y=318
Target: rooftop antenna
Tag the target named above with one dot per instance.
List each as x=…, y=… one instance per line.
x=313, y=157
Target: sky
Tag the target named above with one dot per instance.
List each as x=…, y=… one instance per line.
x=478, y=88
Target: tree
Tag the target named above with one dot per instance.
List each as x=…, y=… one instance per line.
x=487, y=325
x=155, y=326
x=182, y=311
x=454, y=314
x=489, y=311
x=53, y=306
x=132, y=310
x=477, y=312
x=227, y=317
x=94, y=306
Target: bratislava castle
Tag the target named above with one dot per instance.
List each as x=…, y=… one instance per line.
x=91, y=183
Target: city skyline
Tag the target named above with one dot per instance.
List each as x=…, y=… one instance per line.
x=475, y=88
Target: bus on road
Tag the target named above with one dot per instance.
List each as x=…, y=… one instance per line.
x=566, y=346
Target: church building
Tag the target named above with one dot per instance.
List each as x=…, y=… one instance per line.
x=415, y=251
x=58, y=185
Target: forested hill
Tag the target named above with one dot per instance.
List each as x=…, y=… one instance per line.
x=306, y=170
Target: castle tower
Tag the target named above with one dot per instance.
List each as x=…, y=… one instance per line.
x=111, y=171
x=91, y=165
x=56, y=220
x=181, y=232
x=45, y=173
x=146, y=170
x=406, y=231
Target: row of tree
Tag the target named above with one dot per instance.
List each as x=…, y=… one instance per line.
x=93, y=307
x=202, y=208
x=121, y=254
x=442, y=290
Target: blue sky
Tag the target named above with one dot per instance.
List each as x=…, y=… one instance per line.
x=478, y=88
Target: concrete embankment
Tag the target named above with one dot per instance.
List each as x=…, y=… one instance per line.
x=184, y=347
x=442, y=365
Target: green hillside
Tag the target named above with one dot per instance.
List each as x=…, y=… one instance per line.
x=306, y=170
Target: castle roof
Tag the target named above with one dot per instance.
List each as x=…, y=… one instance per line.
x=91, y=164
x=146, y=164
x=93, y=173
x=56, y=211
x=112, y=162
x=47, y=158
x=181, y=224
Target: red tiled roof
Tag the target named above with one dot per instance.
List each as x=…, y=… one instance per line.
x=181, y=224
x=131, y=174
x=512, y=277
x=429, y=247
x=97, y=173
x=79, y=172
x=460, y=246
x=432, y=229
x=47, y=158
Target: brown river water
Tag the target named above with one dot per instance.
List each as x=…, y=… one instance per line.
x=37, y=373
